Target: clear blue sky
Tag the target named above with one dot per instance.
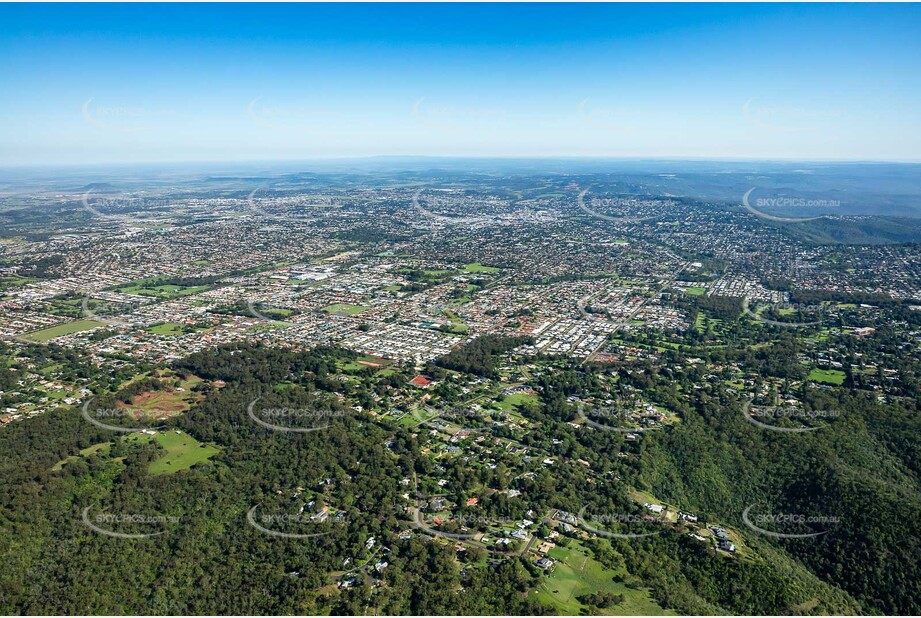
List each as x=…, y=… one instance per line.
x=137, y=83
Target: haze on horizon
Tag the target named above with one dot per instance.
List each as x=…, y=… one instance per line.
x=93, y=84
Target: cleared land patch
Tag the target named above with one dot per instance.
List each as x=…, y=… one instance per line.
x=69, y=328
x=827, y=376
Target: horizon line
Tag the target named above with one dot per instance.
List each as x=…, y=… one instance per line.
x=359, y=158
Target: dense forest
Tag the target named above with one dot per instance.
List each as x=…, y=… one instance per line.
x=206, y=559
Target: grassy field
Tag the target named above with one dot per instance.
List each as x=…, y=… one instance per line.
x=150, y=288
x=822, y=335
x=167, y=329
x=159, y=404
x=14, y=282
x=345, y=309
x=828, y=376
x=362, y=362
x=511, y=402
x=414, y=418
x=182, y=452
x=61, y=329
x=90, y=450
x=695, y=291
x=576, y=574
x=458, y=326
x=172, y=329
x=476, y=267
x=705, y=323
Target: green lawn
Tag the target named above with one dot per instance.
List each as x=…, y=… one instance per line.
x=150, y=288
x=172, y=329
x=421, y=414
x=345, y=309
x=90, y=450
x=182, y=452
x=14, y=282
x=476, y=267
x=363, y=362
x=61, y=329
x=458, y=326
x=695, y=291
x=828, y=376
x=705, y=322
x=822, y=335
x=511, y=402
x=576, y=574
x=167, y=329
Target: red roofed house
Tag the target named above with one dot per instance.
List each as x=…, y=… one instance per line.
x=420, y=381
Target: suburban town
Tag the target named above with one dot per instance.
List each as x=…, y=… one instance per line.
x=505, y=337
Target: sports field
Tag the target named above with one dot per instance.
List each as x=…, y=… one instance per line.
x=344, y=309
x=47, y=334
x=476, y=267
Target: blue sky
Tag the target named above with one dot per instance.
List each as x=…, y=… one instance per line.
x=146, y=83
